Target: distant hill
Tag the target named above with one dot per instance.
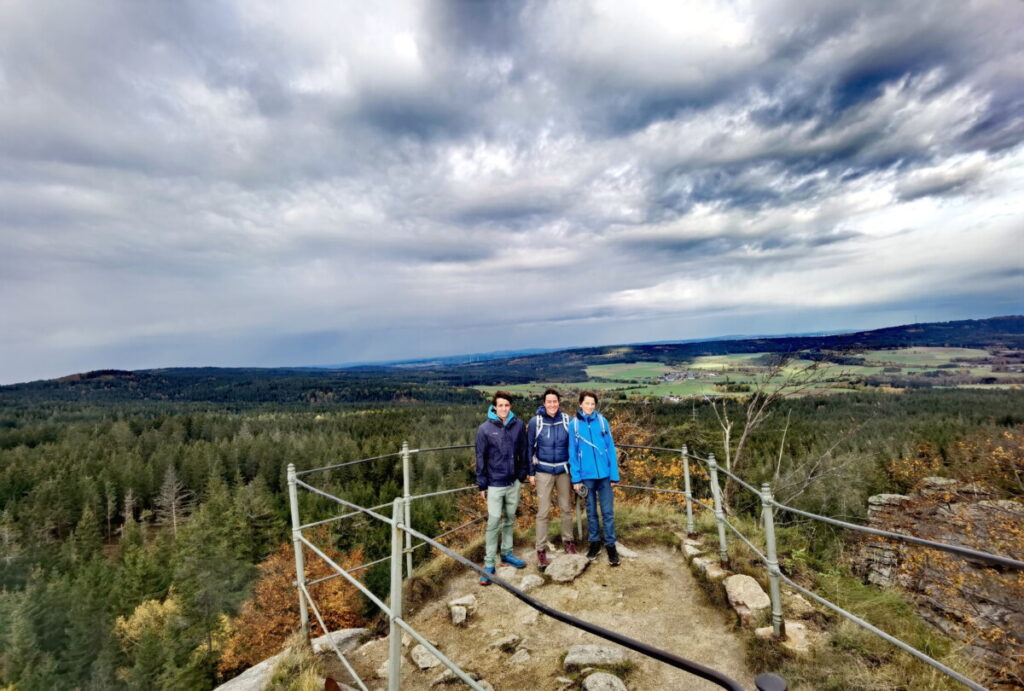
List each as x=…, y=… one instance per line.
x=446, y=379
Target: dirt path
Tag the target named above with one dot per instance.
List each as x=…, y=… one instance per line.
x=652, y=598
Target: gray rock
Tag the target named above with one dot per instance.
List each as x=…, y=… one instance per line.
x=710, y=568
x=602, y=681
x=467, y=601
x=586, y=655
x=564, y=683
x=690, y=551
x=423, y=658
x=508, y=573
x=252, y=679
x=459, y=614
x=521, y=657
x=449, y=677
x=530, y=582
x=566, y=567
x=746, y=597
x=799, y=639
x=506, y=643
x=345, y=639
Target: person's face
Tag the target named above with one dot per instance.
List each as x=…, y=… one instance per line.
x=551, y=404
x=502, y=408
x=588, y=405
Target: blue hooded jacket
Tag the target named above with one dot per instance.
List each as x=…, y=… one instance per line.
x=592, y=454
x=501, y=451
x=548, y=441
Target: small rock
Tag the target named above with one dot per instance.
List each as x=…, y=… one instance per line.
x=530, y=582
x=564, y=683
x=467, y=601
x=507, y=572
x=486, y=685
x=507, y=643
x=551, y=547
x=529, y=616
x=382, y=671
x=588, y=654
x=423, y=658
x=710, y=568
x=603, y=681
x=458, y=613
x=625, y=551
x=566, y=567
x=521, y=657
x=746, y=597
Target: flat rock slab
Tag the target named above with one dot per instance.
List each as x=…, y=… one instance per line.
x=746, y=596
x=566, y=567
x=602, y=681
x=690, y=551
x=345, y=639
x=799, y=639
x=710, y=568
x=530, y=582
x=521, y=657
x=593, y=655
x=459, y=614
x=423, y=658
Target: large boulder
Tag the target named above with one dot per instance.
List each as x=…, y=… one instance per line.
x=566, y=567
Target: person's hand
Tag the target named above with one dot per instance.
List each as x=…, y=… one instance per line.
x=533, y=481
x=577, y=486
x=615, y=483
x=483, y=494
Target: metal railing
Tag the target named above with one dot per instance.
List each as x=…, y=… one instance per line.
x=403, y=534
x=401, y=544
x=770, y=560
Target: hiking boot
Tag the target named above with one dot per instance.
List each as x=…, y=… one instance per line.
x=512, y=560
x=613, y=555
x=484, y=580
x=593, y=550
x=570, y=547
x=542, y=559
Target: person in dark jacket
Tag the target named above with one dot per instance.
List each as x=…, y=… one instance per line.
x=547, y=435
x=502, y=465
x=594, y=464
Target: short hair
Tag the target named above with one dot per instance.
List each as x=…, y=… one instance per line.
x=584, y=394
x=549, y=392
x=501, y=394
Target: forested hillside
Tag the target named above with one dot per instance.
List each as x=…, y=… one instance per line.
x=131, y=532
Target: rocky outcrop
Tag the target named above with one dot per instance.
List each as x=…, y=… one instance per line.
x=967, y=600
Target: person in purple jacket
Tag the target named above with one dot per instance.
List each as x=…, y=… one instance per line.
x=594, y=464
x=502, y=463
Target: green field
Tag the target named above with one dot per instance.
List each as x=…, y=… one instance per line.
x=710, y=375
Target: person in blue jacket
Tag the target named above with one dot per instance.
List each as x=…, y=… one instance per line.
x=594, y=464
x=547, y=435
x=502, y=464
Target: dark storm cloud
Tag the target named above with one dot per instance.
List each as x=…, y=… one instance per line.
x=408, y=178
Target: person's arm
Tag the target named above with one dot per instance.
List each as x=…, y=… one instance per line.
x=481, y=461
x=574, y=463
x=524, y=467
x=613, y=456
x=531, y=440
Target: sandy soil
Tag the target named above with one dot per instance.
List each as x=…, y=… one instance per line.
x=653, y=598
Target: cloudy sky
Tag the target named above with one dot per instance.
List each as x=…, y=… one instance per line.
x=312, y=182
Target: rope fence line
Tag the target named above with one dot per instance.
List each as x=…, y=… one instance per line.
x=775, y=575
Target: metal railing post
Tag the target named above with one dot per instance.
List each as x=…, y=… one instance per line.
x=778, y=624
x=395, y=641
x=406, y=493
x=716, y=492
x=689, y=494
x=300, y=567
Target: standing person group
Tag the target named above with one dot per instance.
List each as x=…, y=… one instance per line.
x=557, y=453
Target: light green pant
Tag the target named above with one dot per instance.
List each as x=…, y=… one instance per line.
x=501, y=515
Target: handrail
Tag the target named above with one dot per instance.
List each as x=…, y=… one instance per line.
x=695, y=668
